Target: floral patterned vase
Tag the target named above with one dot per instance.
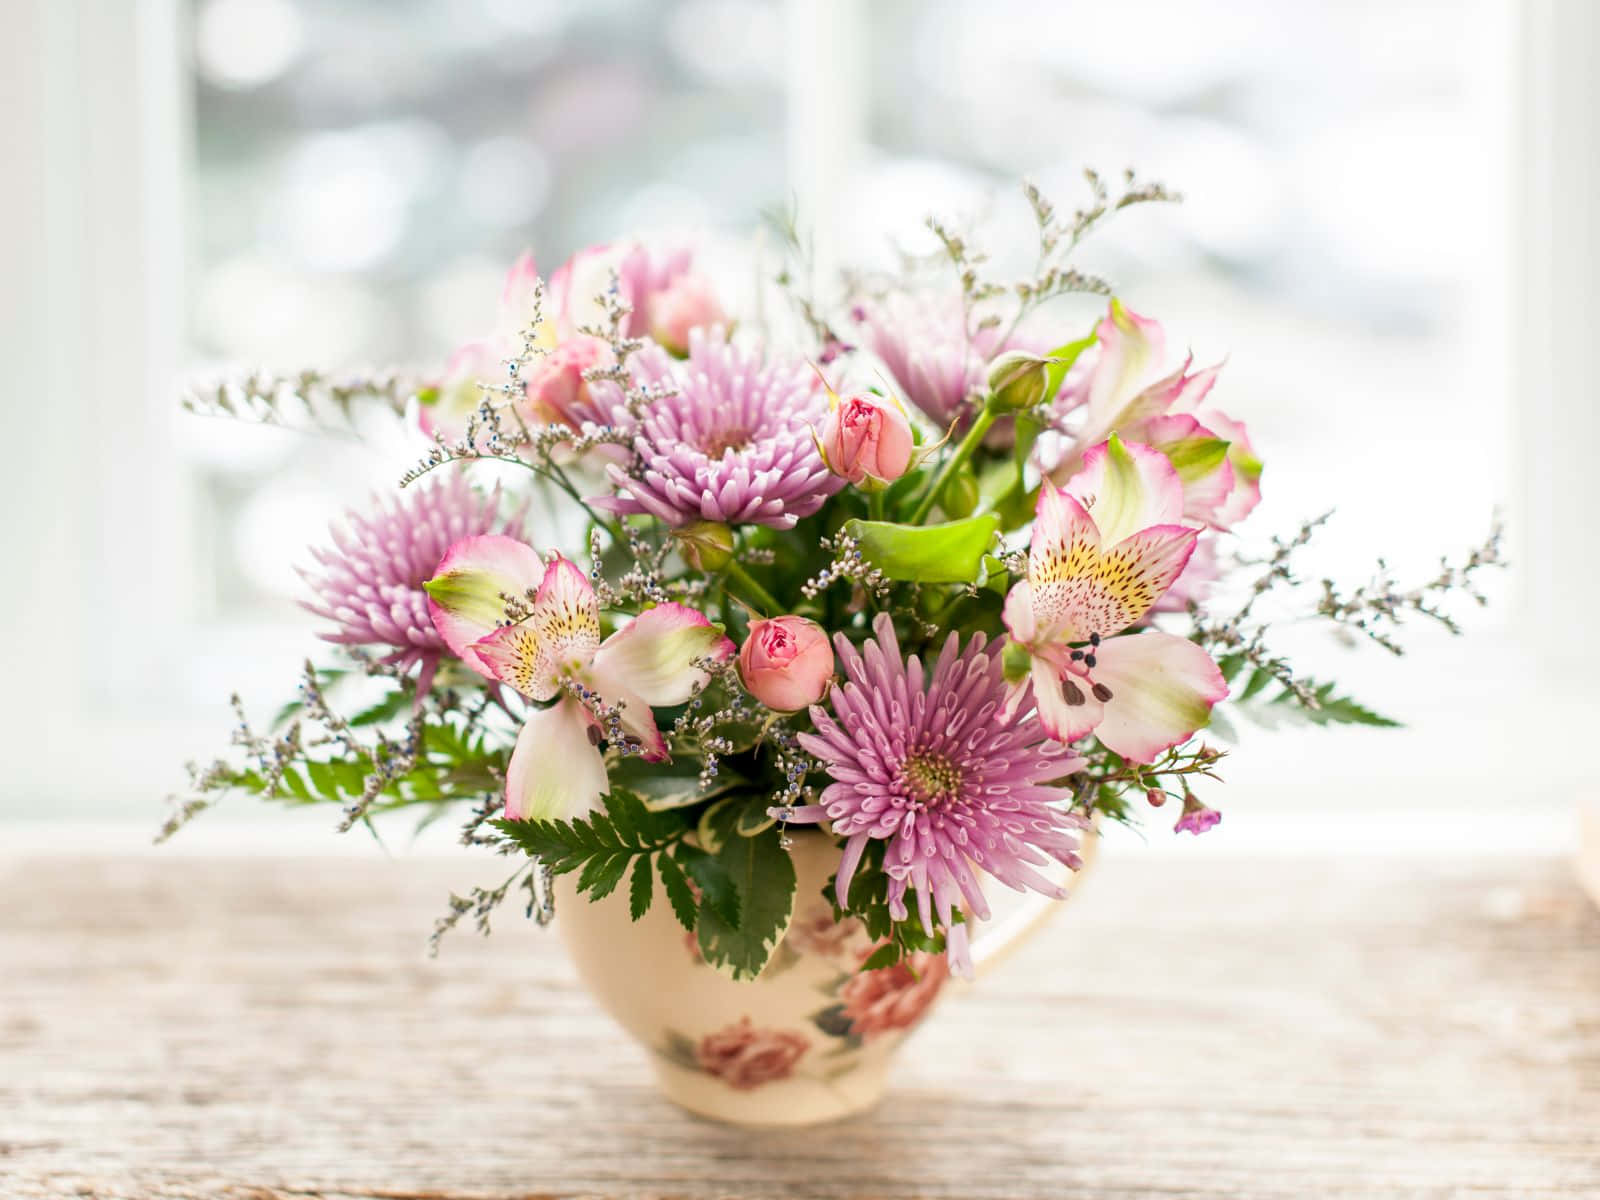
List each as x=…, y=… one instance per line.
x=810, y=1040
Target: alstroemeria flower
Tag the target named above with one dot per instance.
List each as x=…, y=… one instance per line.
x=1121, y=386
x=451, y=402
x=1104, y=551
x=601, y=689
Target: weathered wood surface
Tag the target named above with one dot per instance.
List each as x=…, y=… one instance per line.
x=1194, y=1027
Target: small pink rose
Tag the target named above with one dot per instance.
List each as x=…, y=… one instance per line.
x=894, y=997
x=558, y=394
x=786, y=662
x=685, y=303
x=866, y=437
x=745, y=1057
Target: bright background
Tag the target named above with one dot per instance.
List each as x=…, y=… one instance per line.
x=1389, y=230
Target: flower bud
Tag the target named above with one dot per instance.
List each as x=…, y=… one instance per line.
x=684, y=304
x=1017, y=380
x=1156, y=797
x=866, y=438
x=708, y=545
x=786, y=662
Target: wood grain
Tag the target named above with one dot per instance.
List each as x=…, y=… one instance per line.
x=1190, y=1027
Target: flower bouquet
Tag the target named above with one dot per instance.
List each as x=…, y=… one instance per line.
x=869, y=602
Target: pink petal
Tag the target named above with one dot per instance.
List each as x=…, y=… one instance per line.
x=1063, y=721
x=556, y=772
x=654, y=656
x=464, y=595
x=1126, y=487
x=1131, y=349
x=1162, y=690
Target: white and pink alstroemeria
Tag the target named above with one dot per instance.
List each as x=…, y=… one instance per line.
x=601, y=689
x=1122, y=386
x=1105, y=549
x=459, y=393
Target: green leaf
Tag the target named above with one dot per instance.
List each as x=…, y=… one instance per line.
x=672, y=784
x=1064, y=357
x=679, y=893
x=1196, y=457
x=753, y=818
x=602, y=873
x=885, y=955
x=717, y=822
x=1331, y=709
x=947, y=553
x=387, y=708
x=763, y=875
x=1258, y=682
x=1339, y=710
x=641, y=887
x=625, y=830
x=717, y=890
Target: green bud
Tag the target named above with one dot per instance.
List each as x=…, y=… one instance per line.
x=1015, y=662
x=708, y=545
x=1017, y=381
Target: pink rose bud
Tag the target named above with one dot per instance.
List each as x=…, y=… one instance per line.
x=786, y=662
x=866, y=437
x=1156, y=797
x=684, y=304
x=558, y=394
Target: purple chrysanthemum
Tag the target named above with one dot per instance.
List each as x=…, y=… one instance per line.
x=370, y=582
x=930, y=763
x=733, y=442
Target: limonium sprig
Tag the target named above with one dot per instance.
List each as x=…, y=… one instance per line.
x=945, y=578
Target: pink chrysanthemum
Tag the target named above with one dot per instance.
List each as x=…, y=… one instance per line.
x=925, y=345
x=931, y=763
x=370, y=581
x=733, y=443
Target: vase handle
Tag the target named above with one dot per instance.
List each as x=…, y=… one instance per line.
x=999, y=940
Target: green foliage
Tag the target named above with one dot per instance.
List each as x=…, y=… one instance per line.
x=674, y=784
x=948, y=553
x=869, y=903
x=1331, y=709
x=762, y=875
x=452, y=764
x=602, y=845
x=745, y=886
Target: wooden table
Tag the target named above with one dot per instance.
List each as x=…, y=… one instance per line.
x=1192, y=1026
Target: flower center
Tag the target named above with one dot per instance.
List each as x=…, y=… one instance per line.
x=724, y=440
x=931, y=778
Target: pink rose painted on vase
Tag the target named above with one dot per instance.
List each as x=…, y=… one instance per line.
x=745, y=1057
x=815, y=932
x=893, y=998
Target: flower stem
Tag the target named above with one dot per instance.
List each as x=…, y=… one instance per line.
x=964, y=451
x=753, y=591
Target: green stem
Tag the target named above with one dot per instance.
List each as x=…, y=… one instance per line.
x=875, y=504
x=964, y=451
x=753, y=591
